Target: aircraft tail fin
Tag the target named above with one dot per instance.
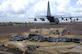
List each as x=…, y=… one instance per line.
x=48, y=10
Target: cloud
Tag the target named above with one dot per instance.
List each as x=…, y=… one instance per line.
x=76, y=10
x=79, y=2
x=16, y=6
x=13, y=10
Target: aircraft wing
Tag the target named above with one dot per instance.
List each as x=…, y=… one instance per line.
x=68, y=17
x=42, y=18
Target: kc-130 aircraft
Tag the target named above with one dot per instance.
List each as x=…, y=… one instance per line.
x=54, y=19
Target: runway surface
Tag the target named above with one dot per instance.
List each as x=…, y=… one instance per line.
x=74, y=28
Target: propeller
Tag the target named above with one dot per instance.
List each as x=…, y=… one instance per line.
x=77, y=19
x=62, y=18
x=35, y=19
x=42, y=19
x=70, y=18
x=66, y=19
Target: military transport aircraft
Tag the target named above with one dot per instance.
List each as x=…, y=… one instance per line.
x=54, y=19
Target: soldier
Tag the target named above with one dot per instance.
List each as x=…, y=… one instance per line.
x=64, y=32
x=57, y=32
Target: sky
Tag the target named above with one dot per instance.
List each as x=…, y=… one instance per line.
x=22, y=10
